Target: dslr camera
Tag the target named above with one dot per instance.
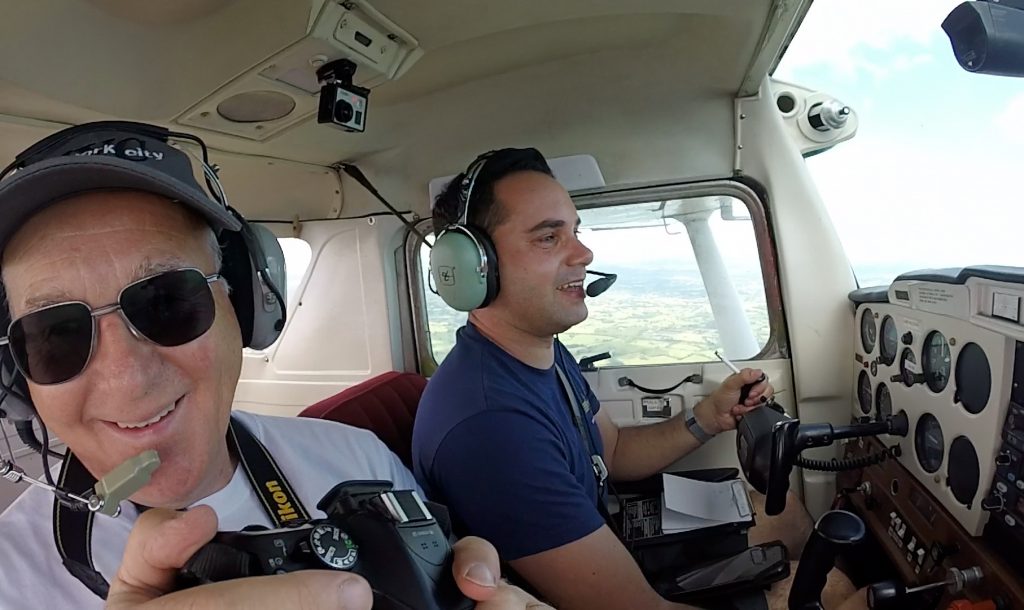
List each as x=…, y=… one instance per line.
x=342, y=104
x=388, y=537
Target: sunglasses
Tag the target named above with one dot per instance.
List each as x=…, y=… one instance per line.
x=55, y=343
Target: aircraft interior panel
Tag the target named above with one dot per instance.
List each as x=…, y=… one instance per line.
x=945, y=348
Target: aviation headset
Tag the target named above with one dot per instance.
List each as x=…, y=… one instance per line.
x=253, y=262
x=463, y=261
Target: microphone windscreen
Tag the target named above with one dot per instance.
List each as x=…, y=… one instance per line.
x=599, y=285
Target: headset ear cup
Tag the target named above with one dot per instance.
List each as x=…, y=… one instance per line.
x=456, y=261
x=236, y=269
x=260, y=313
x=16, y=404
x=492, y=280
x=268, y=309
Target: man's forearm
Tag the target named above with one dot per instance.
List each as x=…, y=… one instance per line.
x=642, y=451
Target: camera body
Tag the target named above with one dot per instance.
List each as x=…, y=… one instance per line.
x=342, y=104
x=388, y=537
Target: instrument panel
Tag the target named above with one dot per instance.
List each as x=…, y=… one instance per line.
x=947, y=348
x=952, y=378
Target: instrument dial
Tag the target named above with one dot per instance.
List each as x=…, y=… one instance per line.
x=883, y=402
x=973, y=378
x=868, y=332
x=929, y=443
x=910, y=373
x=964, y=470
x=890, y=341
x=864, y=392
x=333, y=546
x=936, y=361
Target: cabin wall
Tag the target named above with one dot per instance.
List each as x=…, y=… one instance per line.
x=340, y=324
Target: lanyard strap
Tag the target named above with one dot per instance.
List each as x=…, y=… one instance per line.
x=581, y=417
x=72, y=525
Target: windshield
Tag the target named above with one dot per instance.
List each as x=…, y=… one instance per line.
x=931, y=178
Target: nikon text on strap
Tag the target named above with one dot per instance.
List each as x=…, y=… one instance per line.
x=72, y=526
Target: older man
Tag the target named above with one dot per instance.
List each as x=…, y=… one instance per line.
x=126, y=337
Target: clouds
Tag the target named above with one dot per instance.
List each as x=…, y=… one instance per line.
x=924, y=181
x=1010, y=122
x=866, y=37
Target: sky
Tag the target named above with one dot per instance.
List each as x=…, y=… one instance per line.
x=930, y=179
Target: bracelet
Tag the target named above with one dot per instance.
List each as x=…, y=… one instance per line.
x=694, y=427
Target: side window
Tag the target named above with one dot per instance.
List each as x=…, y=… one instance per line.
x=689, y=283
x=297, y=256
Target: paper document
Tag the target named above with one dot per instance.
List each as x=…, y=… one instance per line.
x=688, y=504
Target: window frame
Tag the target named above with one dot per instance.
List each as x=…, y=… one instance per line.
x=777, y=345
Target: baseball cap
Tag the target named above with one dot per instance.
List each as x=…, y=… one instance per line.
x=103, y=156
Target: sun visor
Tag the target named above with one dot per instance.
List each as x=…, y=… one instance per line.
x=575, y=173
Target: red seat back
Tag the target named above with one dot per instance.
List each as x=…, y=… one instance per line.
x=385, y=405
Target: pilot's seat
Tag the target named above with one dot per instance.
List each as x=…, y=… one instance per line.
x=385, y=405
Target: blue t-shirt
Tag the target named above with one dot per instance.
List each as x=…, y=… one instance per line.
x=496, y=442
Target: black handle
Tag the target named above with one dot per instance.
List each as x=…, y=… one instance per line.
x=835, y=530
x=745, y=390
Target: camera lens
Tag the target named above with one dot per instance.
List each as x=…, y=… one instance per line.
x=343, y=111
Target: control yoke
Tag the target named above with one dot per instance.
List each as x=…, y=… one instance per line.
x=769, y=442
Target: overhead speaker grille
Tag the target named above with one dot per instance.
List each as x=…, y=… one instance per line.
x=256, y=106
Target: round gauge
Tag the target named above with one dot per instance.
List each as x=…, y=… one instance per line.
x=964, y=471
x=909, y=372
x=333, y=546
x=864, y=392
x=936, y=361
x=890, y=341
x=973, y=378
x=928, y=443
x=868, y=331
x=883, y=402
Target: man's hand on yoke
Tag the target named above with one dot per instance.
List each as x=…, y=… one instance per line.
x=722, y=410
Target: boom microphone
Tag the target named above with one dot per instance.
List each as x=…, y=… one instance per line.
x=598, y=286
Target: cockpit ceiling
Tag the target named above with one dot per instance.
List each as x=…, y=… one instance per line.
x=538, y=71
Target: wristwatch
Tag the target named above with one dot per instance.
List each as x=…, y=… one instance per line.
x=694, y=427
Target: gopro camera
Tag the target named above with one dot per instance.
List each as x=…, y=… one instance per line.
x=388, y=537
x=342, y=104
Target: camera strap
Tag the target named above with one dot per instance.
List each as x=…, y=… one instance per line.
x=72, y=525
